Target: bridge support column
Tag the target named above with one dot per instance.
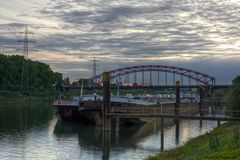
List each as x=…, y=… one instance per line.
x=106, y=102
x=106, y=135
x=107, y=124
x=162, y=133
x=106, y=141
x=177, y=129
x=200, y=101
x=177, y=103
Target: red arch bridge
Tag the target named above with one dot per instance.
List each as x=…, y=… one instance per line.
x=156, y=75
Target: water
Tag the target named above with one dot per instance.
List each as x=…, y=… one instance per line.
x=34, y=132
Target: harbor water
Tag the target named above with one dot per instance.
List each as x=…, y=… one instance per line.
x=34, y=132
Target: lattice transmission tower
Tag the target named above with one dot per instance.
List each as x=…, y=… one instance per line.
x=94, y=71
x=94, y=67
x=25, y=74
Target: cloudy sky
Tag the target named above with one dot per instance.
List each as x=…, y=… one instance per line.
x=203, y=35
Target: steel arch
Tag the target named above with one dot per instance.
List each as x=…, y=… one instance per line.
x=195, y=75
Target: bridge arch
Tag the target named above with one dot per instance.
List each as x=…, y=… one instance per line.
x=199, y=77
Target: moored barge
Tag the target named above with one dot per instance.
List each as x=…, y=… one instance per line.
x=89, y=108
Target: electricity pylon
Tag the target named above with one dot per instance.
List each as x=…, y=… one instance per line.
x=94, y=72
x=25, y=41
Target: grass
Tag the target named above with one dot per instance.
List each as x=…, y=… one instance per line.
x=223, y=143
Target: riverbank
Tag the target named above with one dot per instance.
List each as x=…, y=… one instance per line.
x=222, y=144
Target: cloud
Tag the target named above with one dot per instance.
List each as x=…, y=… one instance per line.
x=121, y=33
x=12, y=25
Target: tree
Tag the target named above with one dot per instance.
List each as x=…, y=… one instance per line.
x=40, y=75
x=233, y=96
x=66, y=81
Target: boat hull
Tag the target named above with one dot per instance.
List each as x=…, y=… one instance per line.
x=67, y=113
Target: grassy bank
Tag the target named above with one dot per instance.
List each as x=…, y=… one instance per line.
x=223, y=143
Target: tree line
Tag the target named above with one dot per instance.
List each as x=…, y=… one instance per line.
x=233, y=96
x=40, y=75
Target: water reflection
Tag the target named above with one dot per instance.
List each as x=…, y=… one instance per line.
x=113, y=144
x=91, y=136
x=23, y=117
x=177, y=128
x=33, y=132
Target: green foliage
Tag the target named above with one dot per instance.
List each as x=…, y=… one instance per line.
x=236, y=136
x=66, y=81
x=224, y=155
x=233, y=97
x=213, y=142
x=40, y=75
x=220, y=144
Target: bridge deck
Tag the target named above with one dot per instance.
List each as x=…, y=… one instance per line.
x=148, y=87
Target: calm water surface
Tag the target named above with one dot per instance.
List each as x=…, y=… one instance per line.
x=34, y=132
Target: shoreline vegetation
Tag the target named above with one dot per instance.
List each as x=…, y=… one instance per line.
x=223, y=143
x=42, y=82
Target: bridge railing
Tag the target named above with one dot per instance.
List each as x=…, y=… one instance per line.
x=157, y=111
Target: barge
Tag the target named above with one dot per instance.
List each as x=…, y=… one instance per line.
x=88, y=108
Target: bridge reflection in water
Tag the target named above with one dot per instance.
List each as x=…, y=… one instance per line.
x=148, y=138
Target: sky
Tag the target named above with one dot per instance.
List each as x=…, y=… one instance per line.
x=202, y=35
